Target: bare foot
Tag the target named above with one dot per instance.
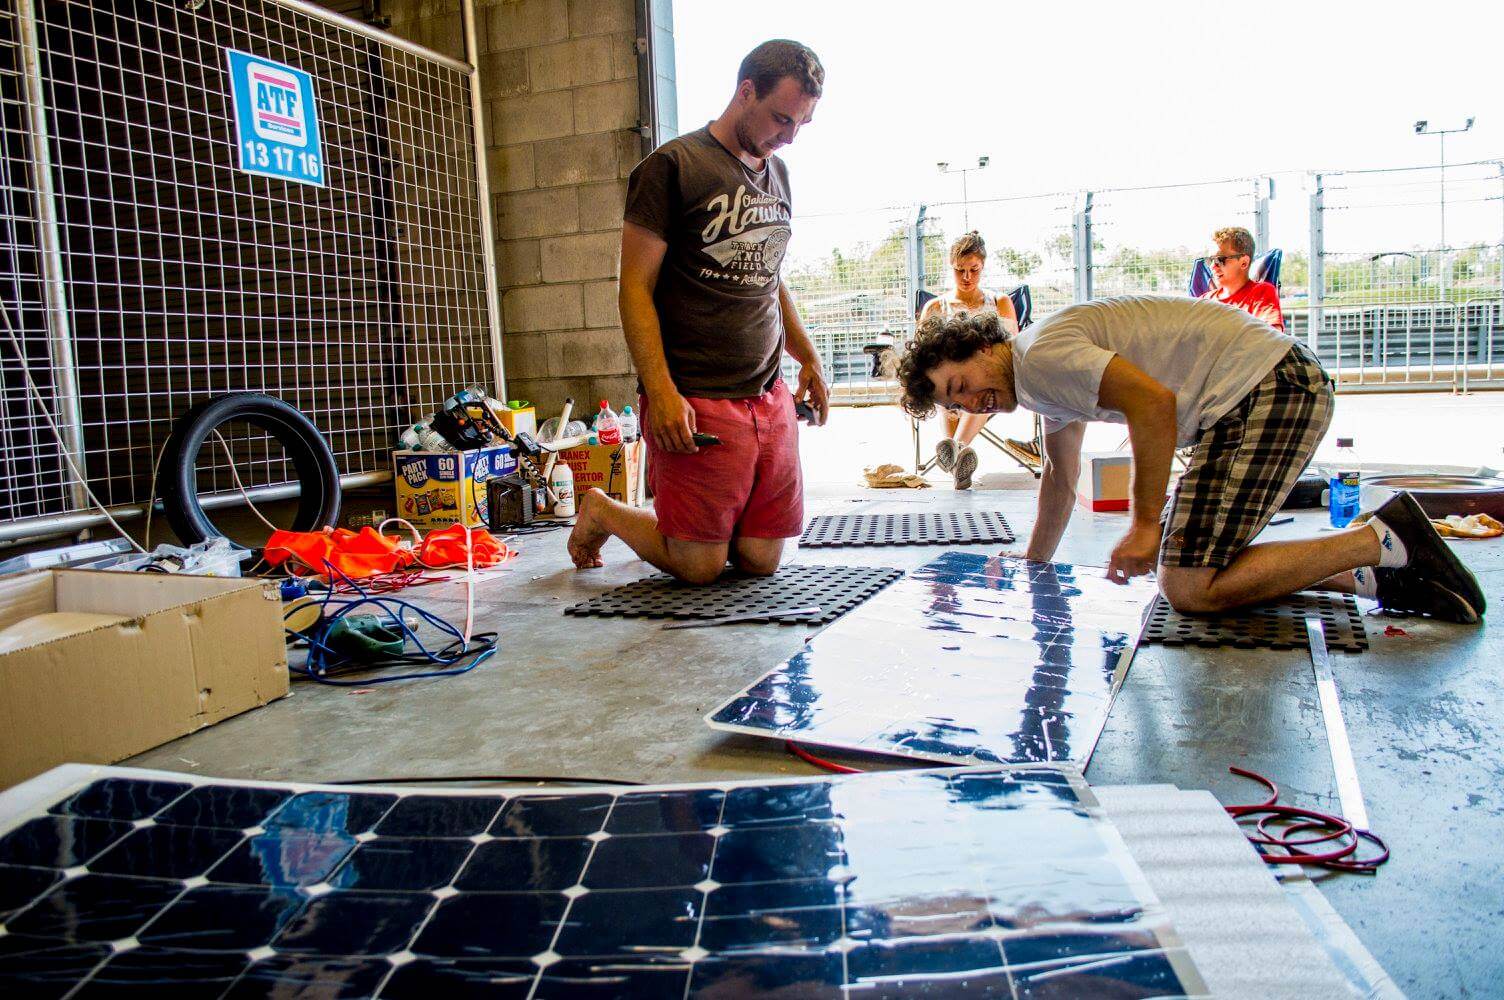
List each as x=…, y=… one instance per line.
x=589, y=533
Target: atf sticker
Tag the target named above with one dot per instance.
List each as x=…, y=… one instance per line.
x=276, y=119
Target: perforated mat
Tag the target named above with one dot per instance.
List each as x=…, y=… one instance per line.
x=836, y=589
x=933, y=528
x=1269, y=626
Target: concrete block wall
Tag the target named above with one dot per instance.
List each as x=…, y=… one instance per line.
x=559, y=80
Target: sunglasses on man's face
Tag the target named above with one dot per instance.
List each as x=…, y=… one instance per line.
x=1221, y=261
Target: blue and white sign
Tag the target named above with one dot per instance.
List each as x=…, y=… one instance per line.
x=276, y=119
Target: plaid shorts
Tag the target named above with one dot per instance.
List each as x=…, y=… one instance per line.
x=1245, y=464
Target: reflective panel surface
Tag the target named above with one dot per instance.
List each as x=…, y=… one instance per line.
x=969, y=659
x=998, y=881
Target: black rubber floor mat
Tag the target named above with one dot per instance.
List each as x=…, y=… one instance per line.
x=836, y=589
x=934, y=528
x=1269, y=626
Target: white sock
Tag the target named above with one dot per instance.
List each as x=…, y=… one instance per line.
x=1392, y=554
x=1366, y=582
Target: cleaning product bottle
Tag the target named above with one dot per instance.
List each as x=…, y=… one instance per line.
x=561, y=481
x=629, y=427
x=608, y=425
x=1345, y=485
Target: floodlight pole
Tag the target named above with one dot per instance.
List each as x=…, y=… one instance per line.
x=946, y=168
x=1424, y=128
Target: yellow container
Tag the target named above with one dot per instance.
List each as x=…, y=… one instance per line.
x=517, y=419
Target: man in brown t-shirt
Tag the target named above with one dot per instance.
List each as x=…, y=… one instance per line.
x=707, y=318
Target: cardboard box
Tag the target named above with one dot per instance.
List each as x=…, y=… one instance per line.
x=178, y=653
x=438, y=488
x=1106, y=480
x=615, y=468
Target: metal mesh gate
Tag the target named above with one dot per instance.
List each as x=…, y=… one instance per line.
x=363, y=303
x=1409, y=276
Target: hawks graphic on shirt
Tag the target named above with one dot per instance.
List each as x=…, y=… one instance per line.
x=747, y=236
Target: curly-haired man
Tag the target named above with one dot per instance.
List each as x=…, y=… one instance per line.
x=1179, y=372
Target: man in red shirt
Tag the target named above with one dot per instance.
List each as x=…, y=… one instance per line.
x=1230, y=262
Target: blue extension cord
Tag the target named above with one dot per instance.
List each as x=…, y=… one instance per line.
x=323, y=660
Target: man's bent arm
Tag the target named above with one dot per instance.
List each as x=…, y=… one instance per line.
x=670, y=419
x=1057, y=489
x=797, y=343
x=1149, y=409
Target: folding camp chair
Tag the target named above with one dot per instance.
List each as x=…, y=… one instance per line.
x=1265, y=267
x=1029, y=454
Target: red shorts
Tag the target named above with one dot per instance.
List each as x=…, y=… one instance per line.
x=750, y=485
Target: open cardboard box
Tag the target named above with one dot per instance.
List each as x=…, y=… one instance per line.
x=190, y=651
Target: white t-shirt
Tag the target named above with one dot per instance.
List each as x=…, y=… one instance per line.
x=1209, y=354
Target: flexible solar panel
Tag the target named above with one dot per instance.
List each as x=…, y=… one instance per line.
x=979, y=882
x=969, y=659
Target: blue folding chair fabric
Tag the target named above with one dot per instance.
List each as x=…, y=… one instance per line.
x=1023, y=305
x=1265, y=267
x=1201, y=278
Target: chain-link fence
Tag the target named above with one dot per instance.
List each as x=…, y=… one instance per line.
x=1387, y=292
x=857, y=275
x=1140, y=241
x=145, y=267
x=1408, y=276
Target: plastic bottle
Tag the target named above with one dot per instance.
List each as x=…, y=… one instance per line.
x=607, y=425
x=411, y=439
x=430, y=439
x=561, y=481
x=1345, y=485
x=629, y=427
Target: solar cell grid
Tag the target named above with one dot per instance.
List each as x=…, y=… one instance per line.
x=891, y=883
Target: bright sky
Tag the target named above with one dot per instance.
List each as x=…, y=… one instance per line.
x=1064, y=96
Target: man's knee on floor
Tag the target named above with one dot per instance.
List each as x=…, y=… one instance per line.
x=758, y=556
x=1190, y=592
x=697, y=563
x=758, y=566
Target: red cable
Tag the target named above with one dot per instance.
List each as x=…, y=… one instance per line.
x=1338, y=859
x=829, y=765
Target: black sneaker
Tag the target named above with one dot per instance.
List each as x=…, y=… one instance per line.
x=1405, y=592
x=1433, y=566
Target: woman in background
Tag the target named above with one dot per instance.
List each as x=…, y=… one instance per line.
x=968, y=256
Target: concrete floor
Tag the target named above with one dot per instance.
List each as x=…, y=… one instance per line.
x=618, y=698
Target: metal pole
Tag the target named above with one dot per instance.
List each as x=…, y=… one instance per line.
x=483, y=195
x=1443, y=138
x=1263, y=191
x=68, y=412
x=916, y=260
x=1081, y=238
x=1317, y=268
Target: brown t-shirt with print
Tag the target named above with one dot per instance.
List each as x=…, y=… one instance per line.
x=727, y=227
